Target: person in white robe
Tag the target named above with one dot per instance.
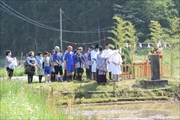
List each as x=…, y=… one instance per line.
x=107, y=52
x=116, y=62
x=94, y=54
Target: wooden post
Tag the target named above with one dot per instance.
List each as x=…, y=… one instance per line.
x=133, y=70
x=171, y=70
x=114, y=85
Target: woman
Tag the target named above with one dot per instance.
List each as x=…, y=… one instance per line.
x=53, y=75
x=79, y=63
x=40, y=71
x=86, y=65
x=101, y=66
x=10, y=63
x=30, y=66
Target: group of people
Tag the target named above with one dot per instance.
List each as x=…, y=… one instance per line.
x=56, y=66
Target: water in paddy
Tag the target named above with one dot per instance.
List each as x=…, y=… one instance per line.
x=135, y=111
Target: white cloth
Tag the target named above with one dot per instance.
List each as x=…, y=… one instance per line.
x=116, y=68
x=10, y=62
x=94, y=54
x=107, y=53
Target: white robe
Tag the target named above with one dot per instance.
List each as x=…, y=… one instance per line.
x=94, y=56
x=108, y=53
x=116, y=68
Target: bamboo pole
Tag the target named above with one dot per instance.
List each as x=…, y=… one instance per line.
x=171, y=70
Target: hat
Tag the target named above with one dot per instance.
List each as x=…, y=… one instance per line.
x=79, y=48
x=39, y=53
x=56, y=47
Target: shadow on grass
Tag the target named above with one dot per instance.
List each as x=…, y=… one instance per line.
x=83, y=88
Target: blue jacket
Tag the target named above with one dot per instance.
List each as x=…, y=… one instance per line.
x=79, y=60
x=69, y=58
x=57, y=57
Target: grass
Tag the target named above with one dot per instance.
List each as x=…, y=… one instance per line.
x=125, y=90
x=20, y=102
x=18, y=71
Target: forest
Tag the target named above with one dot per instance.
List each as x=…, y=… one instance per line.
x=84, y=22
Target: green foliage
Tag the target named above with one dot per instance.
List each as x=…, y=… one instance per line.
x=123, y=32
x=156, y=34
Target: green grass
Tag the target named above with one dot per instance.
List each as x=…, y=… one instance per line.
x=20, y=102
x=130, y=90
x=18, y=71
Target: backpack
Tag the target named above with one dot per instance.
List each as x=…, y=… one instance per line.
x=27, y=67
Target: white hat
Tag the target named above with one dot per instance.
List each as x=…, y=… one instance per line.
x=56, y=47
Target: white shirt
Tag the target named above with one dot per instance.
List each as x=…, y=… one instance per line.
x=116, y=68
x=107, y=53
x=10, y=63
x=94, y=54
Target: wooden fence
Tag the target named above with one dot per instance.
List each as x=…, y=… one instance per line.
x=143, y=70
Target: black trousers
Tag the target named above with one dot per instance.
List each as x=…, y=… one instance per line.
x=10, y=72
x=65, y=74
x=30, y=78
x=53, y=77
x=88, y=74
x=40, y=78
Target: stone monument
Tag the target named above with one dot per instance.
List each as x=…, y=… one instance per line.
x=155, y=73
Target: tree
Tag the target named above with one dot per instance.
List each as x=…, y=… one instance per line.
x=141, y=12
x=156, y=33
x=124, y=32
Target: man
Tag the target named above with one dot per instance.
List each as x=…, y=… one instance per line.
x=107, y=52
x=116, y=61
x=93, y=59
x=69, y=58
x=58, y=60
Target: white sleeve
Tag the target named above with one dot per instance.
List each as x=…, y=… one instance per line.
x=120, y=59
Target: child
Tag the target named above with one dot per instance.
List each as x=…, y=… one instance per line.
x=47, y=68
x=79, y=61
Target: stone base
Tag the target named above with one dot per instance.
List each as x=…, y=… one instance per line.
x=148, y=83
